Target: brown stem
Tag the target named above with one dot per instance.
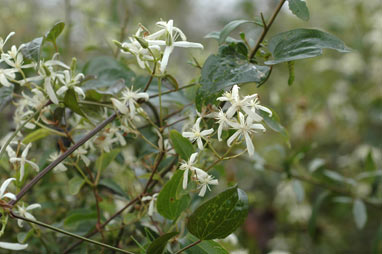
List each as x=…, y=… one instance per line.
x=188, y=246
x=151, y=78
x=266, y=29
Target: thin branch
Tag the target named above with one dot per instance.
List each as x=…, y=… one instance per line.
x=266, y=29
x=174, y=90
x=151, y=78
x=189, y=246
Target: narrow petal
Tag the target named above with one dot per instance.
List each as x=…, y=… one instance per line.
x=13, y=246
x=206, y=132
x=265, y=109
x=203, y=190
x=62, y=90
x=50, y=91
x=185, y=179
x=186, y=44
x=5, y=185
x=233, y=137
x=200, y=143
x=9, y=195
x=120, y=106
x=248, y=141
x=166, y=55
x=192, y=158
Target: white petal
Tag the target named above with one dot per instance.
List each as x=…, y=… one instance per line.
x=5, y=185
x=203, y=190
x=233, y=137
x=185, y=179
x=207, y=132
x=192, y=158
x=248, y=141
x=62, y=90
x=120, y=106
x=13, y=246
x=200, y=143
x=265, y=109
x=33, y=206
x=9, y=195
x=50, y=91
x=165, y=58
x=186, y=44
x=187, y=134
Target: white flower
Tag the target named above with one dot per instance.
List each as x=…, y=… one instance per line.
x=196, y=134
x=152, y=200
x=7, y=74
x=23, y=160
x=81, y=153
x=60, y=167
x=13, y=246
x=23, y=211
x=255, y=104
x=187, y=166
x=130, y=98
x=2, y=42
x=71, y=82
x=170, y=34
x=4, y=187
x=223, y=122
x=204, y=181
x=245, y=128
x=15, y=59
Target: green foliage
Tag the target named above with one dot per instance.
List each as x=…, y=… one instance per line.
x=273, y=122
x=299, y=8
x=32, y=49
x=230, y=27
x=159, y=244
x=181, y=145
x=54, y=32
x=5, y=95
x=36, y=135
x=70, y=101
x=205, y=247
x=75, y=185
x=219, y=216
x=302, y=43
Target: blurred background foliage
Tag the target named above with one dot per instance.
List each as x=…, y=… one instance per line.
x=333, y=110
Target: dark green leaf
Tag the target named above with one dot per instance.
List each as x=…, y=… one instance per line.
x=273, y=122
x=316, y=207
x=299, y=8
x=216, y=35
x=219, y=216
x=291, y=72
x=182, y=145
x=70, y=101
x=75, y=185
x=80, y=216
x=5, y=95
x=302, y=43
x=169, y=204
x=377, y=242
x=359, y=213
x=369, y=162
x=228, y=68
x=54, y=32
x=110, y=184
x=159, y=244
x=230, y=27
x=32, y=49
x=36, y=135
x=205, y=247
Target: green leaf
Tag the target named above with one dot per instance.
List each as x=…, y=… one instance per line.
x=75, y=185
x=302, y=43
x=110, y=184
x=182, y=145
x=230, y=27
x=70, y=101
x=299, y=8
x=316, y=207
x=80, y=216
x=216, y=35
x=36, y=135
x=273, y=122
x=54, y=32
x=169, y=204
x=159, y=244
x=32, y=49
x=359, y=213
x=377, y=242
x=229, y=67
x=106, y=158
x=205, y=247
x=5, y=95
x=291, y=72
x=369, y=162
x=219, y=216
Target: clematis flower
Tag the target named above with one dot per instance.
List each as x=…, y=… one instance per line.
x=187, y=166
x=4, y=187
x=13, y=246
x=223, y=122
x=204, y=181
x=15, y=59
x=60, y=167
x=23, y=160
x=197, y=134
x=129, y=98
x=152, y=200
x=245, y=128
x=255, y=104
x=24, y=212
x=6, y=75
x=69, y=82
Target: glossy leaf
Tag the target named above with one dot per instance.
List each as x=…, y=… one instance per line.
x=219, y=216
x=230, y=27
x=169, y=204
x=36, y=135
x=54, y=32
x=75, y=185
x=32, y=49
x=299, y=8
x=204, y=247
x=302, y=43
x=5, y=95
x=359, y=213
x=159, y=244
x=182, y=145
x=70, y=101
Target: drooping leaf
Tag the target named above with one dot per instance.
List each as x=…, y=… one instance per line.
x=230, y=27
x=5, y=95
x=111, y=185
x=359, y=213
x=169, y=204
x=182, y=145
x=70, y=101
x=273, y=122
x=204, y=247
x=302, y=43
x=75, y=184
x=54, y=32
x=219, y=216
x=36, y=135
x=229, y=67
x=291, y=72
x=32, y=49
x=299, y=8
x=159, y=244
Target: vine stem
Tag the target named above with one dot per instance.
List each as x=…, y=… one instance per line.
x=266, y=29
x=41, y=224
x=174, y=90
x=68, y=152
x=189, y=246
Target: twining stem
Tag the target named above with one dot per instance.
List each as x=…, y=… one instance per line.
x=266, y=29
x=174, y=90
x=189, y=246
x=62, y=157
x=41, y=224
x=151, y=78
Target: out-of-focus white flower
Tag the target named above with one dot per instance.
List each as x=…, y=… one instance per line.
x=70, y=82
x=60, y=167
x=152, y=200
x=23, y=160
x=6, y=75
x=204, y=182
x=130, y=98
x=232, y=239
x=24, y=212
x=245, y=128
x=2, y=42
x=197, y=134
x=13, y=246
x=81, y=153
x=187, y=166
x=299, y=213
x=4, y=187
